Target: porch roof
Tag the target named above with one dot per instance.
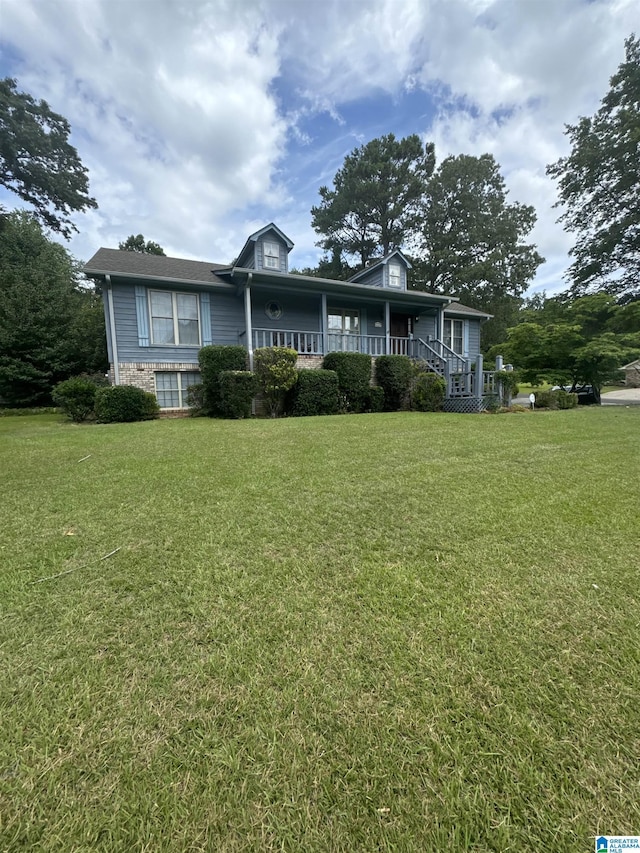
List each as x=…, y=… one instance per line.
x=312, y=284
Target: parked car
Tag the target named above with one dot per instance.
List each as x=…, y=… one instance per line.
x=588, y=395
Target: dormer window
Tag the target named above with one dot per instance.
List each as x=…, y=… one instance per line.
x=271, y=255
x=395, y=275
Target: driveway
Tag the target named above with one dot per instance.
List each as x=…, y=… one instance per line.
x=622, y=397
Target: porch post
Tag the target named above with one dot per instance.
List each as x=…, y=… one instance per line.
x=323, y=325
x=479, y=382
x=440, y=332
x=387, y=326
x=247, y=320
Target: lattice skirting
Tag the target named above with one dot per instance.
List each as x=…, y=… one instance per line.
x=464, y=405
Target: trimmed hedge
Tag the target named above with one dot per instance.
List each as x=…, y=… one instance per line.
x=428, y=392
x=315, y=393
x=124, y=403
x=237, y=390
x=559, y=399
x=394, y=374
x=375, y=400
x=354, y=377
x=275, y=369
x=213, y=360
x=76, y=397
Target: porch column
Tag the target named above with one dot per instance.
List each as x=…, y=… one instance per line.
x=247, y=320
x=479, y=382
x=323, y=324
x=440, y=331
x=387, y=326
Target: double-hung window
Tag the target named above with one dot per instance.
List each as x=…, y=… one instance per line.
x=454, y=335
x=171, y=388
x=271, y=255
x=395, y=276
x=174, y=318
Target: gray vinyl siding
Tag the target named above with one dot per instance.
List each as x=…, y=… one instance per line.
x=300, y=313
x=425, y=328
x=474, y=338
x=107, y=323
x=375, y=313
x=227, y=320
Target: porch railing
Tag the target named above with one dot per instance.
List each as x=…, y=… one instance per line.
x=311, y=343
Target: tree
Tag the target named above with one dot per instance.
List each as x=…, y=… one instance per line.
x=37, y=163
x=473, y=243
x=375, y=199
x=599, y=186
x=50, y=327
x=576, y=341
x=136, y=243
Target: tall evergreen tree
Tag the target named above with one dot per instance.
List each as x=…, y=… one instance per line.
x=599, y=186
x=43, y=336
x=376, y=195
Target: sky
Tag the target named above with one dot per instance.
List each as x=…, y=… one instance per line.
x=201, y=121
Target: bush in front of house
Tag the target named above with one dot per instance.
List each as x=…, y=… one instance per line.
x=375, y=399
x=394, y=374
x=428, y=392
x=315, y=393
x=76, y=397
x=237, y=390
x=354, y=377
x=124, y=403
x=213, y=360
x=275, y=369
x=195, y=400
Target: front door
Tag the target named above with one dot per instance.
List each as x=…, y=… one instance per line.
x=401, y=326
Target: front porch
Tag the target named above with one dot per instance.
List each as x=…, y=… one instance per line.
x=467, y=383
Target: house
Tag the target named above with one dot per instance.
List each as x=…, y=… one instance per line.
x=632, y=374
x=159, y=311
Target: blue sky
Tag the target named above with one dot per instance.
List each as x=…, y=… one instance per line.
x=202, y=120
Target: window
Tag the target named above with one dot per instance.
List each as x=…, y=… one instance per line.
x=271, y=255
x=454, y=335
x=395, y=275
x=344, y=321
x=171, y=388
x=174, y=318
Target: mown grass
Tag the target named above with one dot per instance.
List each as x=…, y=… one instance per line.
x=395, y=632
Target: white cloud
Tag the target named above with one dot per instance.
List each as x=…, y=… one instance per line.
x=196, y=119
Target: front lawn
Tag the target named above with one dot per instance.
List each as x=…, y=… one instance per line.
x=398, y=632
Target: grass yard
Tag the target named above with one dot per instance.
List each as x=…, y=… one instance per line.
x=397, y=632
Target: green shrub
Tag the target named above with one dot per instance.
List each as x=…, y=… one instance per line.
x=375, y=399
x=124, y=403
x=506, y=385
x=76, y=397
x=315, y=393
x=566, y=400
x=393, y=375
x=213, y=360
x=428, y=392
x=237, y=390
x=354, y=377
x=275, y=369
x=195, y=400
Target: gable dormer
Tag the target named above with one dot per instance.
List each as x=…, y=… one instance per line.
x=389, y=272
x=267, y=249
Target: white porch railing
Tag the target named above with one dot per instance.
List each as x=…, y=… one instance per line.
x=311, y=343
